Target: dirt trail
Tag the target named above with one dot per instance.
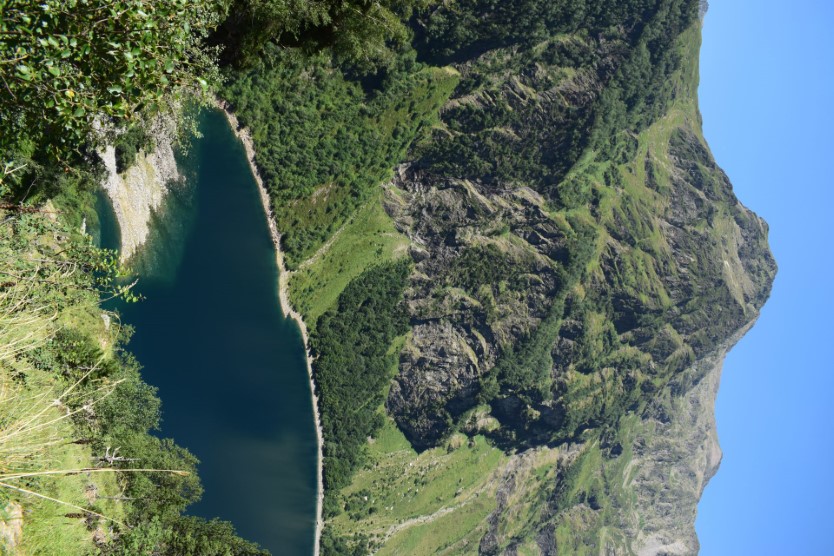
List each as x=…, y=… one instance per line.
x=321, y=251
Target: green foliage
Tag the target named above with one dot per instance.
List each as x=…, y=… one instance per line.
x=183, y=536
x=575, y=192
x=524, y=371
x=365, y=35
x=75, y=353
x=469, y=27
x=334, y=545
x=353, y=367
x=641, y=89
x=127, y=146
x=482, y=264
x=191, y=536
x=75, y=61
x=84, y=267
x=32, y=176
x=323, y=146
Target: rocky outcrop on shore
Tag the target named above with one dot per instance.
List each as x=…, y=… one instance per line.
x=138, y=191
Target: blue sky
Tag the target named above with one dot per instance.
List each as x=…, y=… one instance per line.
x=766, y=95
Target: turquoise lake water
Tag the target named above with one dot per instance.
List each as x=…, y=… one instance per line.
x=230, y=368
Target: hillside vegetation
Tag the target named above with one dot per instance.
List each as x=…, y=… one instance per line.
x=322, y=145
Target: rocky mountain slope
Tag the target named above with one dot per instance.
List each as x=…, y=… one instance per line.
x=622, y=356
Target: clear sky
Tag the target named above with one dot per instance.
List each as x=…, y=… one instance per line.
x=766, y=95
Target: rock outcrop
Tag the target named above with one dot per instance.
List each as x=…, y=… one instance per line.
x=461, y=326
x=139, y=190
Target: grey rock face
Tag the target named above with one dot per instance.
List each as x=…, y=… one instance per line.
x=460, y=330
x=140, y=189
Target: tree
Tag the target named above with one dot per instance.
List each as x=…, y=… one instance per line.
x=362, y=34
x=66, y=63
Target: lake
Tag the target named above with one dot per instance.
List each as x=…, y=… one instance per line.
x=212, y=337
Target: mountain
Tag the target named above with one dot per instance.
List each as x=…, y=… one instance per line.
x=577, y=266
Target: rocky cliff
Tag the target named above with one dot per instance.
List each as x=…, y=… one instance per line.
x=139, y=190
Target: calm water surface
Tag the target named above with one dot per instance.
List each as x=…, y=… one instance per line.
x=229, y=367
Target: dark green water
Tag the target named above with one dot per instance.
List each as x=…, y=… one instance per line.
x=107, y=234
x=229, y=367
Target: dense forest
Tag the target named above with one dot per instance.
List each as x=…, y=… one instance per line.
x=354, y=363
x=332, y=142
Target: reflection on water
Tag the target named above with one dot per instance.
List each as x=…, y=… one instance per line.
x=106, y=233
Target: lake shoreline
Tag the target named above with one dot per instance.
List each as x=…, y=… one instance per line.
x=286, y=307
